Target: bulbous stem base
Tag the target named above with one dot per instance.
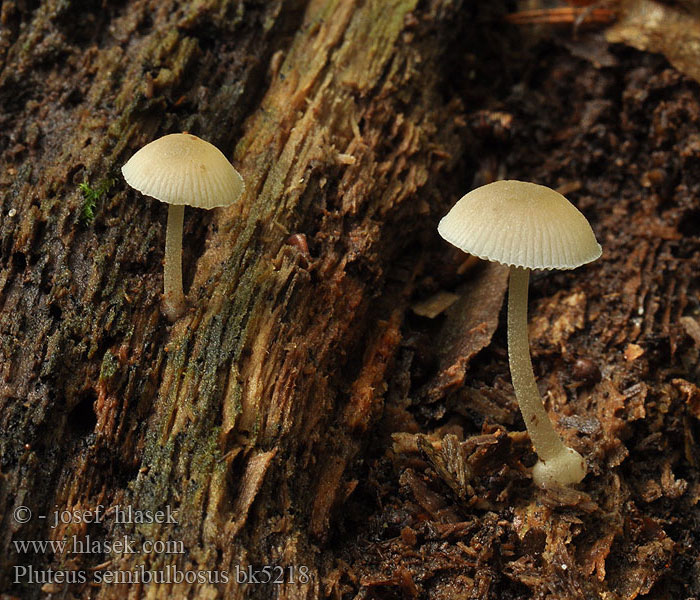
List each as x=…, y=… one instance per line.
x=566, y=468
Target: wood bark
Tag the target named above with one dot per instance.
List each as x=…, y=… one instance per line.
x=245, y=415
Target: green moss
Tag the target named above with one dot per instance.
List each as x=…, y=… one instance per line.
x=109, y=365
x=91, y=196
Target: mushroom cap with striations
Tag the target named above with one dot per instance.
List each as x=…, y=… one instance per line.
x=521, y=224
x=181, y=168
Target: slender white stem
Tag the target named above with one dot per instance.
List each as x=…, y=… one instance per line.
x=173, y=295
x=561, y=464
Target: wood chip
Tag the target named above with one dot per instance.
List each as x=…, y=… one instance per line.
x=633, y=352
x=435, y=305
x=470, y=324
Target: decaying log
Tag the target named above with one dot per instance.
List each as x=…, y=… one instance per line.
x=243, y=416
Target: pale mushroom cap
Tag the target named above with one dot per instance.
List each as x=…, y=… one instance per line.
x=181, y=168
x=521, y=224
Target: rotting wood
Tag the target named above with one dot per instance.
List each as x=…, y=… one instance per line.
x=237, y=415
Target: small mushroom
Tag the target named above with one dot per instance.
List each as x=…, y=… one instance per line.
x=526, y=226
x=181, y=169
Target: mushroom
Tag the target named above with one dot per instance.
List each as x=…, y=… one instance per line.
x=526, y=226
x=181, y=169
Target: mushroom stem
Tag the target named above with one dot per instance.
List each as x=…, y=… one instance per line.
x=558, y=463
x=173, y=296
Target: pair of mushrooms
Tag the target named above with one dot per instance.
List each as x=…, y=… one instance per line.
x=526, y=226
x=522, y=225
x=181, y=170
